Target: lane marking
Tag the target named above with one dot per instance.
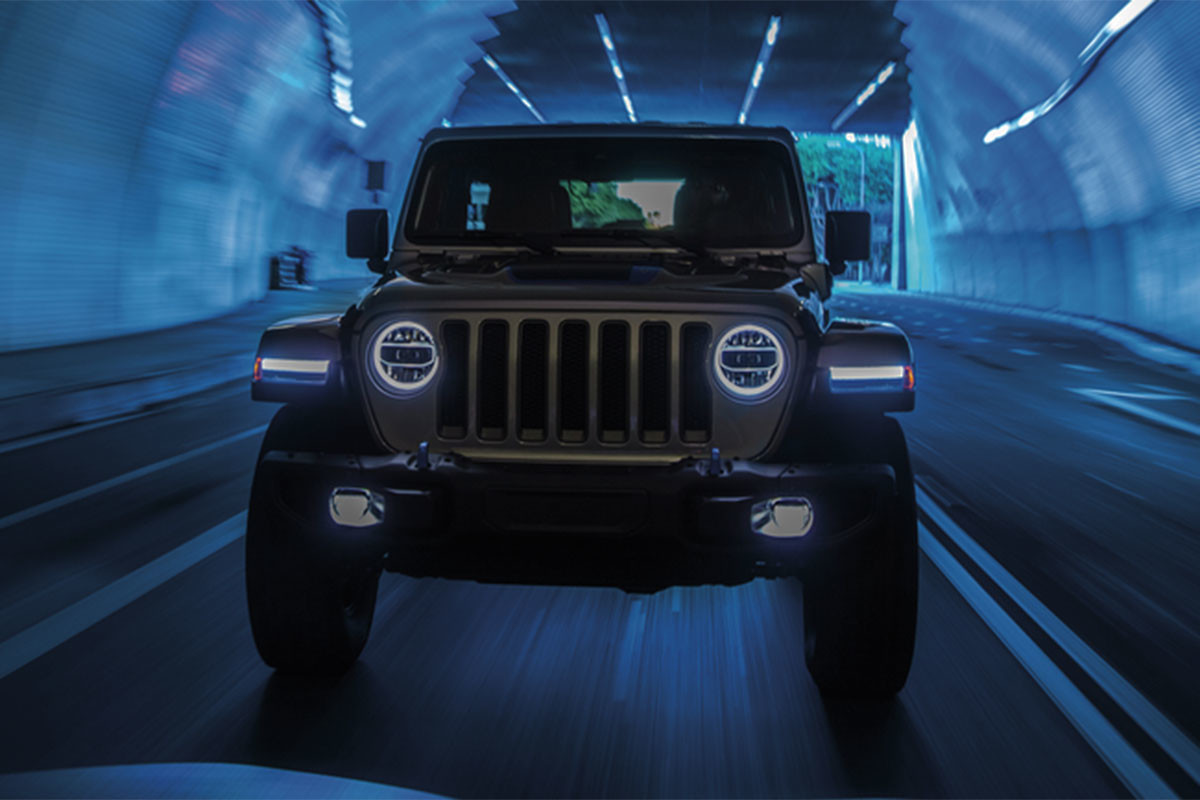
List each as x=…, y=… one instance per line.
x=1133, y=703
x=111, y=483
x=43, y=438
x=1021, y=351
x=1124, y=761
x=202, y=398
x=1118, y=401
x=44, y=636
x=1080, y=368
x=1137, y=395
x=1163, y=390
x=1114, y=486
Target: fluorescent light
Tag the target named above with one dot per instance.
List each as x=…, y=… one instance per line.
x=889, y=69
x=1086, y=61
x=610, y=49
x=512, y=87
x=866, y=373
x=760, y=66
x=304, y=366
x=772, y=30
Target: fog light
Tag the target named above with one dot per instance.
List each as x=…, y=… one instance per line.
x=355, y=508
x=782, y=517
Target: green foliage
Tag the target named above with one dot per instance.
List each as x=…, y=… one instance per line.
x=832, y=156
x=595, y=205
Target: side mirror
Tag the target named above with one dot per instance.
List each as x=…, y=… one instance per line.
x=367, y=236
x=847, y=238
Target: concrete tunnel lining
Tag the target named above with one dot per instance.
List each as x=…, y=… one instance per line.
x=158, y=154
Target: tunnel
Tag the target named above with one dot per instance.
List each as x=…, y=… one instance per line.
x=177, y=177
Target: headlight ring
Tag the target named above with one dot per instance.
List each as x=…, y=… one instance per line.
x=749, y=362
x=404, y=357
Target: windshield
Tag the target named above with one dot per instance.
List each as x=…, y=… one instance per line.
x=572, y=190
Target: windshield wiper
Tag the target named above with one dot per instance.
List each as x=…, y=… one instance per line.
x=650, y=238
x=534, y=243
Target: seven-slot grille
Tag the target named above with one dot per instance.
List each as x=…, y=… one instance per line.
x=575, y=381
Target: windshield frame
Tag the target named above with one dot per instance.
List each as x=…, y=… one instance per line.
x=410, y=241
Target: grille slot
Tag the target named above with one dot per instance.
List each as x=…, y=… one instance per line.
x=655, y=383
x=452, y=392
x=595, y=381
x=695, y=396
x=532, y=381
x=493, y=380
x=614, y=382
x=573, y=381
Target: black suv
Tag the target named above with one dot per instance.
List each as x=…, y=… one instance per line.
x=595, y=355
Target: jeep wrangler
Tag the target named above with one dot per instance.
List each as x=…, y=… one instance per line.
x=595, y=355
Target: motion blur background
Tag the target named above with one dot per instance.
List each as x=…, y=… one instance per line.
x=1033, y=171
x=156, y=155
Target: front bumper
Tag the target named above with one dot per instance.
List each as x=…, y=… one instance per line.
x=648, y=526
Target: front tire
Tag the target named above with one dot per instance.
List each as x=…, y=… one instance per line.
x=310, y=612
x=860, y=605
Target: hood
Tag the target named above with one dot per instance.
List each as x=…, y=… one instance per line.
x=595, y=285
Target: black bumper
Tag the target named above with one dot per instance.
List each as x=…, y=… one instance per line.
x=631, y=526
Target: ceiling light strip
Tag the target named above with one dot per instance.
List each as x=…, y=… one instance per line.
x=610, y=49
x=760, y=66
x=1087, y=60
x=868, y=91
x=512, y=87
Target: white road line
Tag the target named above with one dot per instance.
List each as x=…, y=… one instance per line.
x=1021, y=351
x=1112, y=400
x=1163, y=390
x=1165, y=733
x=1114, y=486
x=42, y=438
x=1080, y=368
x=1106, y=740
x=103, y=486
x=44, y=636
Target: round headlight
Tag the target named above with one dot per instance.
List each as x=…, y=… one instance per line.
x=405, y=357
x=749, y=361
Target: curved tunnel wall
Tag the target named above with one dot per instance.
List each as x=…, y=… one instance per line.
x=1093, y=209
x=157, y=154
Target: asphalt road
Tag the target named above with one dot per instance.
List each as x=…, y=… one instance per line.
x=476, y=690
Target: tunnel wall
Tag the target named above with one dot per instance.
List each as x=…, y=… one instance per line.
x=1092, y=209
x=157, y=154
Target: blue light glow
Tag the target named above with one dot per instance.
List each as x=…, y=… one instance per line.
x=512, y=87
x=868, y=91
x=1087, y=60
x=760, y=66
x=610, y=50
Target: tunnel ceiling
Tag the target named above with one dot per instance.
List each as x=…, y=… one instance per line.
x=692, y=61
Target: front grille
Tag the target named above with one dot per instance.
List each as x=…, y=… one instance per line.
x=576, y=381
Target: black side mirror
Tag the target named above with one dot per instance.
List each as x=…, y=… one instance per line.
x=847, y=238
x=367, y=236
